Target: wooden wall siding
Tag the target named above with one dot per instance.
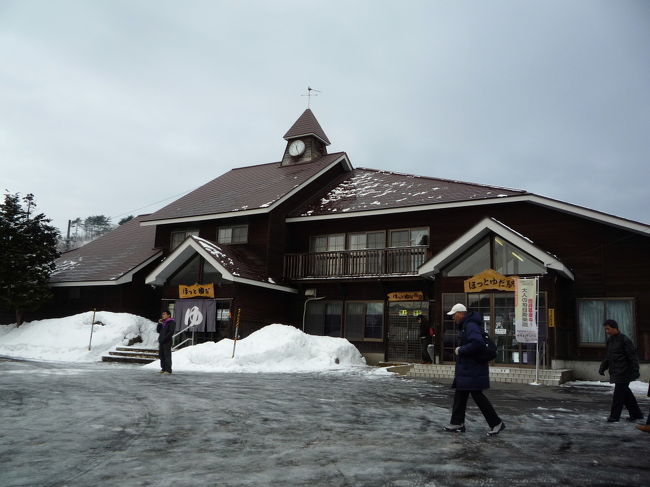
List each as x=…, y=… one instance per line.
x=365, y=290
x=135, y=298
x=261, y=307
x=606, y=261
x=266, y=232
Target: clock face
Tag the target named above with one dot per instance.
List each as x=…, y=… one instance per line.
x=296, y=148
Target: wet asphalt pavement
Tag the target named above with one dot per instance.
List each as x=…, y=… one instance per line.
x=117, y=425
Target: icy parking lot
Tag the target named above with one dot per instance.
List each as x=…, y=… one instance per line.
x=102, y=424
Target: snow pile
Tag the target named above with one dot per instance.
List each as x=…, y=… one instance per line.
x=67, y=339
x=274, y=348
x=638, y=387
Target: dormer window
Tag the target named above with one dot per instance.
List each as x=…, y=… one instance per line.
x=233, y=234
x=179, y=236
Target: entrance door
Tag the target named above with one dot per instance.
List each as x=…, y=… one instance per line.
x=498, y=312
x=404, y=330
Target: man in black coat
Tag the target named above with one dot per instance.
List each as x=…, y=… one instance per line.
x=426, y=338
x=472, y=375
x=165, y=329
x=623, y=364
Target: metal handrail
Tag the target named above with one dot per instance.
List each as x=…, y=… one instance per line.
x=191, y=339
x=186, y=340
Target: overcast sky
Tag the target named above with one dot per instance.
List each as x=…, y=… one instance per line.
x=116, y=107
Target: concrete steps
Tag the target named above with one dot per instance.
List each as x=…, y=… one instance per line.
x=131, y=355
x=513, y=375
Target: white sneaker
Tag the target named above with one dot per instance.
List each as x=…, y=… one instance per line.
x=497, y=429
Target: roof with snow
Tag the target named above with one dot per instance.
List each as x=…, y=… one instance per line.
x=234, y=263
x=370, y=189
x=307, y=125
x=112, y=258
x=485, y=227
x=245, y=190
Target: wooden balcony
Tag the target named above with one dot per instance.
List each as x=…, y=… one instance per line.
x=400, y=261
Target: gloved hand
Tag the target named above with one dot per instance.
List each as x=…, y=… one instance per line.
x=456, y=350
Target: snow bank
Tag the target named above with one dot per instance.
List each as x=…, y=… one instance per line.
x=638, y=387
x=274, y=348
x=67, y=339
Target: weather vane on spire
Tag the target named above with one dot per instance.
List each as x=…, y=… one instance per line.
x=309, y=94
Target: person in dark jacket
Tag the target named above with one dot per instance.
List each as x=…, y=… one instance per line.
x=426, y=338
x=645, y=427
x=472, y=376
x=623, y=364
x=165, y=329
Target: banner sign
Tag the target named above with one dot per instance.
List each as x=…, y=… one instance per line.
x=525, y=311
x=196, y=291
x=406, y=296
x=489, y=279
x=199, y=314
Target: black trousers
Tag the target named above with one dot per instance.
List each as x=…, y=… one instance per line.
x=165, y=353
x=483, y=403
x=426, y=341
x=623, y=397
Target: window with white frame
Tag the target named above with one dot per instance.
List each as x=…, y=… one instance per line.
x=233, y=234
x=328, y=243
x=409, y=237
x=179, y=236
x=366, y=240
x=592, y=313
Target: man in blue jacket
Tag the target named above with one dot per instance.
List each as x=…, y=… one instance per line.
x=165, y=329
x=472, y=376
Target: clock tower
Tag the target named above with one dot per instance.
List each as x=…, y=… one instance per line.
x=306, y=140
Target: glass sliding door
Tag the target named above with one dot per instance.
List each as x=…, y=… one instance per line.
x=498, y=312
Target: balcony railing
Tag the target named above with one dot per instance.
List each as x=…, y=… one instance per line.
x=355, y=263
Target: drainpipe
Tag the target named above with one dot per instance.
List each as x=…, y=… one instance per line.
x=304, y=310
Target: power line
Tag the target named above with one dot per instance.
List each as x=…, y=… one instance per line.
x=152, y=204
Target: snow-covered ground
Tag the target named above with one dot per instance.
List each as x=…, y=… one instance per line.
x=68, y=339
x=274, y=348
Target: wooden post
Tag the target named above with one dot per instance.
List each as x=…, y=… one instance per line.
x=92, y=326
x=234, y=343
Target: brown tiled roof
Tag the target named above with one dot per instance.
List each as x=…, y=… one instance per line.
x=239, y=260
x=306, y=125
x=244, y=188
x=370, y=189
x=109, y=257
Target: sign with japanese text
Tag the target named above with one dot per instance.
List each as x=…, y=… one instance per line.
x=406, y=296
x=551, y=317
x=489, y=279
x=196, y=291
x=526, y=310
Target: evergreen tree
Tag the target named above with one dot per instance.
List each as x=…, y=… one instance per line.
x=97, y=225
x=125, y=219
x=28, y=248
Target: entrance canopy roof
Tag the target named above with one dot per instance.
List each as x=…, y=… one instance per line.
x=486, y=227
x=231, y=265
